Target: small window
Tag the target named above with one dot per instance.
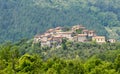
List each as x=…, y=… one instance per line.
x=98, y=39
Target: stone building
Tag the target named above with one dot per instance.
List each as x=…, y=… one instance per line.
x=91, y=33
x=66, y=34
x=82, y=37
x=99, y=39
x=85, y=32
x=37, y=39
x=76, y=27
x=112, y=40
x=59, y=29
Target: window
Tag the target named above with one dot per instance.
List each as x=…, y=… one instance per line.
x=98, y=39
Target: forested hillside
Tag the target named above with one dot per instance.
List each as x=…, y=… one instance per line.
x=25, y=18
x=71, y=58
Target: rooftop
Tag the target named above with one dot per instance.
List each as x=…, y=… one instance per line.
x=37, y=36
x=99, y=37
x=82, y=34
x=85, y=30
x=58, y=28
x=65, y=32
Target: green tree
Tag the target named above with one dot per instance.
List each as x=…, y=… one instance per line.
x=117, y=63
x=64, y=44
x=29, y=63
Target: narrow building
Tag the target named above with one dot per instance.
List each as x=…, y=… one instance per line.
x=82, y=37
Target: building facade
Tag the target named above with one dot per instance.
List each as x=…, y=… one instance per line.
x=99, y=39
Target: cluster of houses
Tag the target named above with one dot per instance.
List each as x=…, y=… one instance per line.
x=77, y=33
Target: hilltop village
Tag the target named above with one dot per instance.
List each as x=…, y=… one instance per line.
x=77, y=33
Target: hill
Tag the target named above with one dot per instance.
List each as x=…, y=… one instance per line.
x=23, y=57
x=25, y=18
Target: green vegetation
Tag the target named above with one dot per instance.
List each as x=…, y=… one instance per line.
x=114, y=32
x=79, y=31
x=72, y=58
x=25, y=18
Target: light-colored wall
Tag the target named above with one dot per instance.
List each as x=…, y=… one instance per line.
x=100, y=40
x=44, y=38
x=46, y=43
x=67, y=35
x=36, y=40
x=82, y=39
x=90, y=34
x=112, y=41
x=85, y=32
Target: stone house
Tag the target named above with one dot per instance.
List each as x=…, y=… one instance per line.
x=58, y=29
x=52, y=41
x=43, y=43
x=99, y=39
x=46, y=43
x=74, y=28
x=66, y=34
x=91, y=33
x=75, y=38
x=112, y=40
x=44, y=38
x=85, y=32
x=82, y=37
x=57, y=40
x=51, y=31
x=37, y=39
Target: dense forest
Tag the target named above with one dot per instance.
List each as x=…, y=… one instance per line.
x=23, y=57
x=25, y=18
